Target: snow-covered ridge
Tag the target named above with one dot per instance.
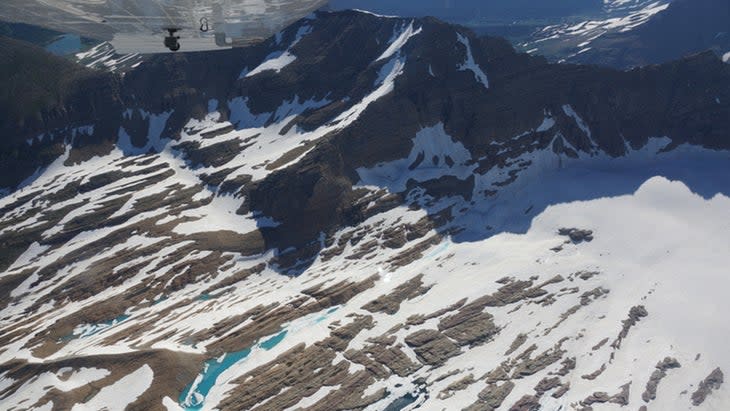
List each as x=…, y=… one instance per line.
x=399, y=40
x=469, y=270
x=104, y=57
x=619, y=17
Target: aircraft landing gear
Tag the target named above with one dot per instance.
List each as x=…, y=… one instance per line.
x=171, y=41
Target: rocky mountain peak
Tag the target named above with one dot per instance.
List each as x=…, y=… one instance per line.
x=366, y=212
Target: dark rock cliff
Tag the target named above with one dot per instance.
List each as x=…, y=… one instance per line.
x=337, y=62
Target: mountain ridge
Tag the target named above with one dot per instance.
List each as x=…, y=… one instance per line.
x=441, y=222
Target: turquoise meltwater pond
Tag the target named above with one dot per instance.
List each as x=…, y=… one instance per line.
x=193, y=398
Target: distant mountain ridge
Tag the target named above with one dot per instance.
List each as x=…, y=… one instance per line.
x=465, y=10
x=683, y=28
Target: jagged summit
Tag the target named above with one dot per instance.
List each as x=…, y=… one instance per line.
x=370, y=213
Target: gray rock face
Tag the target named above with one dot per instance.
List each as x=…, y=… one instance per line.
x=635, y=314
x=657, y=376
x=712, y=382
x=577, y=235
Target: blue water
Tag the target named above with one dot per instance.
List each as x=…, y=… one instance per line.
x=401, y=403
x=325, y=315
x=100, y=328
x=440, y=249
x=159, y=300
x=109, y=324
x=65, y=45
x=273, y=341
x=213, y=369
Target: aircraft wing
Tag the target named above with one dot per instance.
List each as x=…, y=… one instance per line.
x=140, y=25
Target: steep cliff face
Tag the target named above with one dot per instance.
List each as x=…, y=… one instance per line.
x=369, y=213
x=363, y=104
x=42, y=97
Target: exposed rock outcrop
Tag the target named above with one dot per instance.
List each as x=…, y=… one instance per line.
x=712, y=382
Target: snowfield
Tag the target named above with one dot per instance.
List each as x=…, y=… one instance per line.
x=661, y=226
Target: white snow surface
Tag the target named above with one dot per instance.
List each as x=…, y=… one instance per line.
x=470, y=64
x=399, y=40
x=65, y=380
x=660, y=241
x=435, y=147
x=277, y=61
x=118, y=396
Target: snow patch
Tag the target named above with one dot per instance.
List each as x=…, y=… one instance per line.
x=470, y=64
x=64, y=380
x=349, y=116
x=568, y=110
x=399, y=40
x=440, y=156
x=118, y=396
x=278, y=60
x=155, y=141
x=546, y=125
x=275, y=61
x=220, y=215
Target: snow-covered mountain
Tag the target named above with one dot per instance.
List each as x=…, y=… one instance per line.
x=367, y=213
x=463, y=11
x=639, y=32
x=103, y=57
x=567, y=41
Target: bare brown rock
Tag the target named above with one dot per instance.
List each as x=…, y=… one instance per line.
x=492, y=397
x=547, y=384
x=622, y=397
x=390, y=303
x=600, y=344
x=459, y=385
x=517, y=343
x=432, y=347
x=568, y=366
x=394, y=359
x=469, y=326
x=526, y=403
x=530, y=366
x=171, y=371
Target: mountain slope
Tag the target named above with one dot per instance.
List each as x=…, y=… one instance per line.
x=684, y=28
x=465, y=11
x=42, y=92
x=375, y=213
x=641, y=33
